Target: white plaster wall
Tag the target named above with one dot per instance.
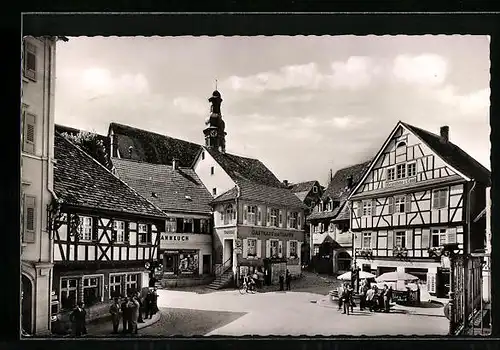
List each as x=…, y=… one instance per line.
x=220, y=179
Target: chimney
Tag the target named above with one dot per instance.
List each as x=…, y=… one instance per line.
x=445, y=133
x=175, y=163
x=285, y=182
x=349, y=181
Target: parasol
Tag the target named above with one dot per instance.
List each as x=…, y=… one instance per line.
x=362, y=275
x=396, y=276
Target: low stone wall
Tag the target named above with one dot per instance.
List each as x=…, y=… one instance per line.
x=185, y=282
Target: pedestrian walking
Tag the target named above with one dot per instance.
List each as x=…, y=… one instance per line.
x=154, y=303
x=141, y=307
x=114, y=310
x=370, y=295
x=386, y=295
x=125, y=314
x=282, y=282
x=340, y=292
x=77, y=318
x=288, y=279
x=133, y=306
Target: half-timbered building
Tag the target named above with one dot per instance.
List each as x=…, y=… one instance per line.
x=331, y=239
x=420, y=192
x=104, y=232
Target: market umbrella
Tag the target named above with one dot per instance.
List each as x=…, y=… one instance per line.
x=362, y=275
x=396, y=276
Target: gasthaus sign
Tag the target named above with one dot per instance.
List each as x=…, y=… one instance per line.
x=266, y=233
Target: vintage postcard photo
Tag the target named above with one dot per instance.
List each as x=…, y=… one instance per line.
x=266, y=185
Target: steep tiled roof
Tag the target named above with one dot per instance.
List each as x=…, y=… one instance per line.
x=151, y=147
x=81, y=181
x=260, y=193
x=301, y=195
x=303, y=186
x=453, y=155
x=245, y=169
x=337, y=189
x=174, y=190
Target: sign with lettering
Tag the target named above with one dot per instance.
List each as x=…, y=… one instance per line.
x=402, y=182
x=229, y=232
x=170, y=237
x=262, y=233
x=170, y=240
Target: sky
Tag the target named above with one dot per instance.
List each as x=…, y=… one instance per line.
x=301, y=104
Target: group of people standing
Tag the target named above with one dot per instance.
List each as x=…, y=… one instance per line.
x=371, y=297
x=132, y=310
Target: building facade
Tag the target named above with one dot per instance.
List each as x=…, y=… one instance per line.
x=37, y=138
x=104, y=233
x=331, y=238
x=421, y=191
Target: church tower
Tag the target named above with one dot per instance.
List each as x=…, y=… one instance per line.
x=215, y=136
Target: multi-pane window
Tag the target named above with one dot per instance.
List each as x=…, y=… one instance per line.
x=274, y=248
x=204, y=226
x=391, y=174
x=400, y=204
x=85, y=228
x=119, y=230
x=252, y=214
x=69, y=287
x=91, y=290
x=188, y=226
x=229, y=214
x=411, y=169
x=273, y=220
x=252, y=247
x=294, y=218
x=367, y=208
x=439, y=236
x=401, y=171
x=367, y=240
x=293, y=249
x=400, y=239
x=142, y=233
x=171, y=225
x=440, y=198
x=132, y=283
x=115, y=285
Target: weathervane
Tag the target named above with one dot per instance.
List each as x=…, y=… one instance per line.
x=215, y=84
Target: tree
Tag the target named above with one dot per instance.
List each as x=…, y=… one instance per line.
x=92, y=144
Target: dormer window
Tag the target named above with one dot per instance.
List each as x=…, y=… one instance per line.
x=315, y=189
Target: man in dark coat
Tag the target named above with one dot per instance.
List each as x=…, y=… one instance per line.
x=77, y=318
x=125, y=314
x=153, y=305
x=114, y=310
x=288, y=280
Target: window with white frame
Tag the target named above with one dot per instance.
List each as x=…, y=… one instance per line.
x=229, y=214
x=274, y=248
x=252, y=247
x=293, y=249
x=411, y=169
x=171, y=225
x=439, y=236
x=132, y=283
x=68, y=292
x=401, y=171
x=204, y=226
x=294, y=218
x=400, y=239
x=391, y=174
x=142, y=234
x=440, y=198
x=367, y=208
x=188, y=225
x=274, y=217
x=85, y=228
x=119, y=231
x=400, y=204
x=252, y=214
x=115, y=285
x=367, y=240
x=91, y=289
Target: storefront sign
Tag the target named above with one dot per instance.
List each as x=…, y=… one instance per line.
x=403, y=182
x=167, y=237
x=262, y=233
x=181, y=241
x=229, y=232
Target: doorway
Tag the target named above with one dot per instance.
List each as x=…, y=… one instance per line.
x=170, y=263
x=228, y=252
x=26, y=304
x=206, y=264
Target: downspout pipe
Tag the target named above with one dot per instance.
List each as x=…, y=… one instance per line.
x=466, y=255
x=235, y=256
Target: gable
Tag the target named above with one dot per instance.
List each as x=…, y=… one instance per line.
x=219, y=180
x=405, y=160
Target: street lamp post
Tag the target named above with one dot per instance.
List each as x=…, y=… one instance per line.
x=152, y=267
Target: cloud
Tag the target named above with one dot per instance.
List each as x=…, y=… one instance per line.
x=98, y=81
x=424, y=69
x=356, y=72
x=476, y=102
x=190, y=105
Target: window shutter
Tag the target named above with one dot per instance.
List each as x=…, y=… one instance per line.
x=281, y=218
x=280, y=249
x=245, y=248
x=425, y=238
x=197, y=225
x=359, y=207
x=30, y=219
x=451, y=235
x=29, y=58
x=288, y=249
x=288, y=219
x=259, y=215
x=373, y=240
x=268, y=248
x=268, y=216
x=299, y=250
x=180, y=225
x=409, y=239
x=408, y=203
x=29, y=133
x=374, y=207
x=299, y=221
x=435, y=199
x=259, y=248
x=149, y=234
x=245, y=214
x=95, y=228
x=113, y=232
x=444, y=198
x=390, y=202
x=390, y=239
x=357, y=239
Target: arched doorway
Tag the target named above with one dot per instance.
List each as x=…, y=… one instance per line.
x=26, y=304
x=344, y=261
